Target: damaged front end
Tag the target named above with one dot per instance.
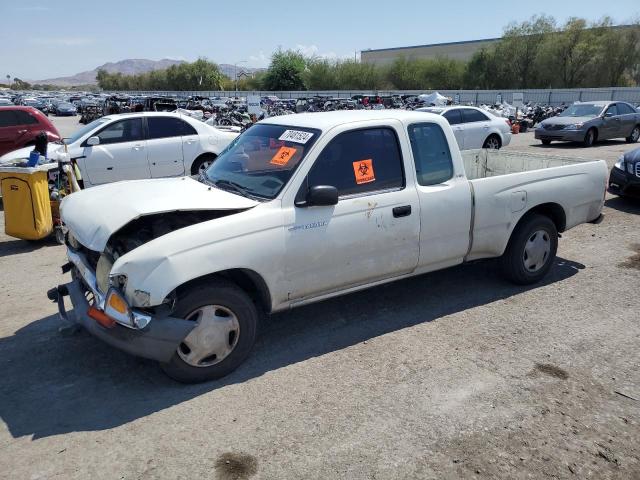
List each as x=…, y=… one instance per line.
x=98, y=297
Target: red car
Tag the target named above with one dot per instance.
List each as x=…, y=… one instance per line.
x=19, y=127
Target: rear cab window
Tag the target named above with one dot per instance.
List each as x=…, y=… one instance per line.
x=360, y=162
x=431, y=153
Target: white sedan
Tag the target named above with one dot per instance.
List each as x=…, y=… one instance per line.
x=139, y=145
x=474, y=128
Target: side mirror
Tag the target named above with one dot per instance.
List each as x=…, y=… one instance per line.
x=92, y=141
x=320, y=196
x=608, y=115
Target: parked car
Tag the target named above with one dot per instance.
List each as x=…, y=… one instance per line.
x=140, y=145
x=298, y=209
x=588, y=122
x=65, y=109
x=624, y=179
x=19, y=127
x=473, y=127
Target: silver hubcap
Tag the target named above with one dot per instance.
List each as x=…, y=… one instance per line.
x=204, y=165
x=214, y=337
x=536, y=251
x=493, y=143
x=636, y=134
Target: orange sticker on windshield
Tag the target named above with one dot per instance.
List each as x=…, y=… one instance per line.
x=283, y=156
x=363, y=170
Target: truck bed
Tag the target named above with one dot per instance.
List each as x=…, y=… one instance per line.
x=505, y=184
x=492, y=163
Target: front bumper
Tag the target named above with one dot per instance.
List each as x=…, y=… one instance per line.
x=623, y=183
x=560, y=135
x=157, y=341
x=159, y=338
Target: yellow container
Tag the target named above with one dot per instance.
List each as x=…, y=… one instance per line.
x=27, y=209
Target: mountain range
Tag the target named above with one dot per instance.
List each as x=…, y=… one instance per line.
x=132, y=66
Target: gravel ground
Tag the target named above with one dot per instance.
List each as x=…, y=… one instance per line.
x=455, y=374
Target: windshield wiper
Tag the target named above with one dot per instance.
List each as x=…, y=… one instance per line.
x=236, y=187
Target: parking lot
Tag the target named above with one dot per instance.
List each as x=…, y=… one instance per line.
x=454, y=374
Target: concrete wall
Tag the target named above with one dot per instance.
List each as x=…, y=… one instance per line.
x=454, y=50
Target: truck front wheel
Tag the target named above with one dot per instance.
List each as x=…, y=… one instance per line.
x=226, y=324
x=531, y=250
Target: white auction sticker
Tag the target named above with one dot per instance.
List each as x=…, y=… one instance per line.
x=297, y=136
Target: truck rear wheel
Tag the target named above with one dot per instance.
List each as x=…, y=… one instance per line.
x=227, y=321
x=531, y=250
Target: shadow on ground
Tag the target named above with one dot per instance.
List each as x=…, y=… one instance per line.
x=578, y=145
x=52, y=384
x=15, y=247
x=626, y=205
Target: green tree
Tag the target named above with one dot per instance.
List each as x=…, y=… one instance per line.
x=286, y=71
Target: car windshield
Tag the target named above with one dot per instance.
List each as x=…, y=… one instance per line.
x=260, y=162
x=84, y=130
x=582, y=110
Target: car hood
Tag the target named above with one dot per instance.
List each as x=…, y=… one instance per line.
x=93, y=215
x=567, y=120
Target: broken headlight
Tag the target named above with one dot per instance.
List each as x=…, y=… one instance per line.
x=103, y=269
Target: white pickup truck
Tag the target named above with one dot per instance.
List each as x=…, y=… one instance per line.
x=298, y=209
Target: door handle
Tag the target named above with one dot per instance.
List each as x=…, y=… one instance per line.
x=109, y=168
x=403, y=211
x=22, y=131
x=137, y=147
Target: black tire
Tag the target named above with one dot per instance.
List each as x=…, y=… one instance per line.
x=590, y=138
x=635, y=135
x=546, y=142
x=201, y=161
x=236, y=300
x=513, y=261
x=492, y=142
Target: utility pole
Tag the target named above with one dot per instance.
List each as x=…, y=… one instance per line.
x=236, y=73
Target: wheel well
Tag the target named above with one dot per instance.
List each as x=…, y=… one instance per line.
x=552, y=210
x=201, y=157
x=496, y=136
x=248, y=280
x=595, y=132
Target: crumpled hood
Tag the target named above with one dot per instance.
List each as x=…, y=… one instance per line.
x=93, y=215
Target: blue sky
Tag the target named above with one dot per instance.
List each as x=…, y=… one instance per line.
x=48, y=38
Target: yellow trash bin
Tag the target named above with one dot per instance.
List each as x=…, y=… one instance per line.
x=27, y=209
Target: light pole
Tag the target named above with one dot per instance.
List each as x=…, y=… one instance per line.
x=236, y=73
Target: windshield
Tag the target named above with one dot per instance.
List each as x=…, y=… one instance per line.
x=261, y=161
x=582, y=110
x=84, y=130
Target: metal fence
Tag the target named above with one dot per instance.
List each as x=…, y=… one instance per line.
x=549, y=97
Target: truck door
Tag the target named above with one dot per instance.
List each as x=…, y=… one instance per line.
x=373, y=231
x=121, y=154
x=164, y=146
x=445, y=199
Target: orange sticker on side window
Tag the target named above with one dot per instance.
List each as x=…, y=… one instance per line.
x=283, y=156
x=363, y=170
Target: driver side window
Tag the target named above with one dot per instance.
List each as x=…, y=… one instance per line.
x=360, y=161
x=612, y=110
x=129, y=130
